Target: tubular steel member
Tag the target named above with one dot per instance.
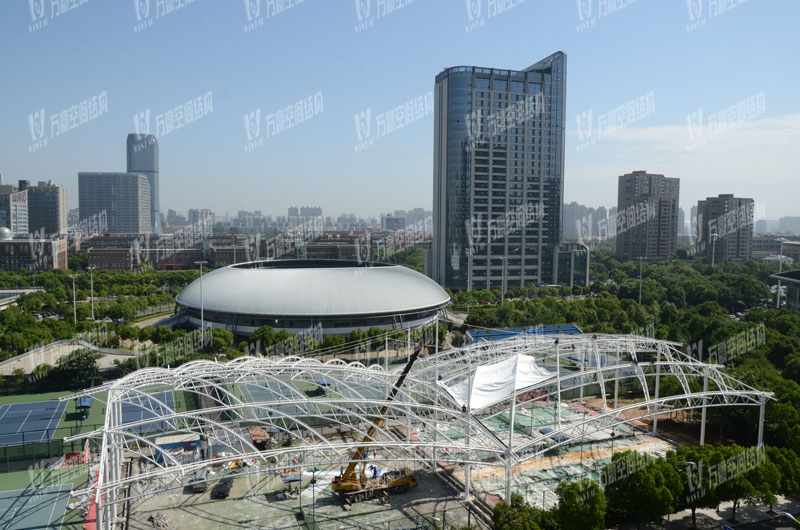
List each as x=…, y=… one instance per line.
x=355, y=486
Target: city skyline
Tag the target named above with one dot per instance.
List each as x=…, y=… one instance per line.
x=665, y=138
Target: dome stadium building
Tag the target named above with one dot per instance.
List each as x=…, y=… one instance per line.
x=332, y=296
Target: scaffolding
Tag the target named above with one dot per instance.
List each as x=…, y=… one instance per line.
x=316, y=413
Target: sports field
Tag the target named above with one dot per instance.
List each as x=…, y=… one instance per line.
x=34, y=507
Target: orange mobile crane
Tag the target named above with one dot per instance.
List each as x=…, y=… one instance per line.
x=355, y=486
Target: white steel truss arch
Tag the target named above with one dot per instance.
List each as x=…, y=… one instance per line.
x=318, y=413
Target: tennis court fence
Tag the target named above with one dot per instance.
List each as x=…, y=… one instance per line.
x=48, y=444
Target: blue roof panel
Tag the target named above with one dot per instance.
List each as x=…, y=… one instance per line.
x=487, y=335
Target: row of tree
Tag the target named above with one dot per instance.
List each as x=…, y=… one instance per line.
x=689, y=478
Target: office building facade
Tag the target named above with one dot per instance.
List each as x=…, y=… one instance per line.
x=498, y=178
x=725, y=226
x=142, y=152
x=14, y=207
x=47, y=209
x=647, y=216
x=123, y=197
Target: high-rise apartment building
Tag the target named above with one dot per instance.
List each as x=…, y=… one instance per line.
x=18, y=213
x=14, y=207
x=47, y=209
x=498, y=177
x=201, y=220
x=725, y=226
x=647, y=216
x=124, y=197
x=143, y=159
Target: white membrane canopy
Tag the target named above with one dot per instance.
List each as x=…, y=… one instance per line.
x=495, y=382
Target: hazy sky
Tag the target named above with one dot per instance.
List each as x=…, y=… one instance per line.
x=691, y=59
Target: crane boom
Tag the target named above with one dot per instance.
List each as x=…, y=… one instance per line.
x=376, y=424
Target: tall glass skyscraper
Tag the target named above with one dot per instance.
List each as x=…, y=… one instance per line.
x=498, y=178
x=143, y=159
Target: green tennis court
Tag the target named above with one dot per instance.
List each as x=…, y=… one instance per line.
x=34, y=507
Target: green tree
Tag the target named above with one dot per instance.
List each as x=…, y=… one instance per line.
x=221, y=340
x=646, y=495
x=581, y=506
x=692, y=464
x=515, y=516
x=766, y=481
x=19, y=376
x=735, y=486
x=76, y=370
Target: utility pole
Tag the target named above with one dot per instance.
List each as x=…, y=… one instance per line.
x=640, y=280
x=503, y=283
x=780, y=270
x=74, y=306
x=202, y=317
x=91, y=287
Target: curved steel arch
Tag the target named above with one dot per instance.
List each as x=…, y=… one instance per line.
x=444, y=432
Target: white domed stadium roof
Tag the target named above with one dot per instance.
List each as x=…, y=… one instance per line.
x=314, y=287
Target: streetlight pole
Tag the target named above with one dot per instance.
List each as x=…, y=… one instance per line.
x=202, y=316
x=313, y=496
x=91, y=287
x=780, y=270
x=640, y=280
x=74, y=306
x=503, y=283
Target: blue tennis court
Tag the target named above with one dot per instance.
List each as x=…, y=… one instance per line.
x=38, y=508
x=146, y=407
x=29, y=422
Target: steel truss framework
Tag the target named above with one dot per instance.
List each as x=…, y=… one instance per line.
x=318, y=413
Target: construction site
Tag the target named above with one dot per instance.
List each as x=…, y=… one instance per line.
x=433, y=441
